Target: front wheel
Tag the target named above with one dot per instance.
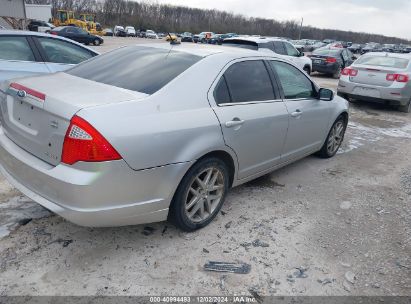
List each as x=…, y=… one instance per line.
x=96, y=42
x=200, y=195
x=334, y=139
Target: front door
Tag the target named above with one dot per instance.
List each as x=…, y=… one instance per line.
x=309, y=116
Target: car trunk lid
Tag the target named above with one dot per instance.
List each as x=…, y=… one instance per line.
x=376, y=76
x=36, y=112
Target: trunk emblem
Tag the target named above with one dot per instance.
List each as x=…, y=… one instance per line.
x=21, y=93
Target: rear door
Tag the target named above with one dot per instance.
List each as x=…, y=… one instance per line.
x=60, y=55
x=19, y=57
x=309, y=116
x=253, y=119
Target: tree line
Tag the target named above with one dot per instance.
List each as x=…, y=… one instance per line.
x=171, y=18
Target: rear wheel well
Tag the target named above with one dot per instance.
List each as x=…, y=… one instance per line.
x=227, y=159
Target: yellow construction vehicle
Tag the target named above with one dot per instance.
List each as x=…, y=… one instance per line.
x=93, y=27
x=65, y=17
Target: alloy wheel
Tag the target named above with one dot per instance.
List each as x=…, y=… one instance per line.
x=336, y=137
x=204, y=194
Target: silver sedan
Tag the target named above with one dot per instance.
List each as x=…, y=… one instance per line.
x=379, y=77
x=146, y=133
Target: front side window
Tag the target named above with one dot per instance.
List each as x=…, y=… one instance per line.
x=245, y=81
x=59, y=51
x=137, y=68
x=279, y=48
x=15, y=48
x=294, y=83
x=291, y=51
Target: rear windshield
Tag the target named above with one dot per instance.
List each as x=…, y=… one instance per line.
x=383, y=61
x=242, y=44
x=326, y=52
x=142, y=69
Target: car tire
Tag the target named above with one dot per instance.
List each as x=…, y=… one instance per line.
x=406, y=108
x=96, y=42
x=192, y=207
x=332, y=142
x=307, y=69
x=337, y=73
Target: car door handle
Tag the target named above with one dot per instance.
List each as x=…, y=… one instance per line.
x=297, y=113
x=234, y=123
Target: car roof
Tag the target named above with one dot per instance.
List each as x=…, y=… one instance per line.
x=208, y=50
x=38, y=34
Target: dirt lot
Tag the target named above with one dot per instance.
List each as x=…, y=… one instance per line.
x=318, y=227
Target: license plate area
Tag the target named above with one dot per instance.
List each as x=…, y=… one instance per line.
x=369, y=92
x=24, y=115
x=318, y=61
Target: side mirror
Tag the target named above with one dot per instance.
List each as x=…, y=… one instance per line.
x=326, y=94
x=301, y=54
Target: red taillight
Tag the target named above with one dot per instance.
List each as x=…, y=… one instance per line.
x=53, y=33
x=28, y=91
x=398, y=77
x=84, y=143
x=331, y=60
x=349, y=72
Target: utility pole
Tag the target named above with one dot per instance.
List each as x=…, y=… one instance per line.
x=301, y=28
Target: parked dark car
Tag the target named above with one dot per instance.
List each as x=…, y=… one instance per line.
x=219, y=38
x=355, y=48
x=331, y=60
x=371, y=47
x=187, y=37
x=77, y=34
x=121, y=33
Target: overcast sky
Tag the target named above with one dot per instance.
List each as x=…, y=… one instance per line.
x=387, y=17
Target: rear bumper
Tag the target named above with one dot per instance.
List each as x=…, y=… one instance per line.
x=92, y=194
x=326, y=69
x=387, y=95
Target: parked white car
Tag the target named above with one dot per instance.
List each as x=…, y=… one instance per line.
x=277, y=45
x=131, y=31
x=151, y=34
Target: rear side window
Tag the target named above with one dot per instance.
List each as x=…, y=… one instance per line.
x=59, y=51
x=221, y=94
x=15, y=48
x=137, y=68
x=294, y=83
x=384, y=61
x=246, y=81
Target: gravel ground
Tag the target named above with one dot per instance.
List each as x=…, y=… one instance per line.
x=316, y=227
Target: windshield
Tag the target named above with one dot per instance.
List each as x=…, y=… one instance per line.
x=384, y=61
x=142, y=69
